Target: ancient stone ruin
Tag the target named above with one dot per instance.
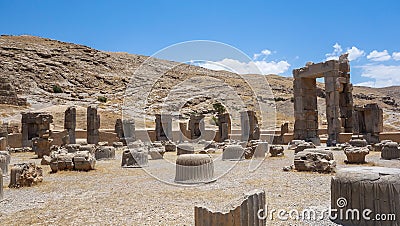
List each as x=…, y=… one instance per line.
x=104, y=152
x=93, y=125
x=1, y=185
x=339, y=100
x=35, y=125
x=25, y=175
x=390, y=150
x=163, y=127
x=196, y=126
x=362, y=188
x=70, y=124
x=356, y=155
x=224, y=126
x=5, y=159
x=315, y=160
x=184, y=148
x=368, y=121
x=8, y=94
x=80, y=161
x=233, y=152
x=36, y=132
x=243, y=212
x=194, y=168
x=134, y=158
x=249, y=126
x=276, y=150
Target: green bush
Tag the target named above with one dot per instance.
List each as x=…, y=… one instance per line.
x=102, y=99
x=57, y=89
x=219, y=108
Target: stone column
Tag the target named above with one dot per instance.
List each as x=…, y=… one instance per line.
x=1, y=185
x=163, y=127
x=25, y=130
x=332, y=87
x=70, y=123
x=93, y=125
x=128, y=126
x=119, y=130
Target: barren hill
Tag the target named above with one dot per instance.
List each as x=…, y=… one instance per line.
x=36, y=65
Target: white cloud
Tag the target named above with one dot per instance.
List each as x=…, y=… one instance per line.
x=382, y=75
x=264, y=53
x=354, y=53
x=379, y=56
x=252, y=67
x=396, y=56
x=337, y=50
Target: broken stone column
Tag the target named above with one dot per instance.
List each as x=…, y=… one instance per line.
x=356, y=155
x=390, y=150
x=249, y=210
x=134, y=158
x=224, y=126
x=260, y=150
x=196, y=126
x=1, y=185
x=163, y=127
x=368, y=121
x=25, y=175
x=125, y=130
x=184, y=148
x=276, y=150
x=194, y=168
x=3, y=143
x=70, y=124
x=93, y=125
x=375, y=189
x=315, y=160
x=5, y=159
x=249, y=126
x=104, y=152
x=233, y=152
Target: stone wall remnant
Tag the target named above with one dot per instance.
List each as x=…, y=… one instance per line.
x=104, y=152
x=315, y=160
x=125, y=130
x=224, y=126
x=196, y=126
x=243, y=212
x=163, y=127
x=249, y=126
x=93, y=125
x=134, y=158
x=276, y=150
x=233, y=152
x=36, y=130
x=368, y=121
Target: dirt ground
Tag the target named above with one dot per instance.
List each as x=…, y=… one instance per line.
x=131, y=196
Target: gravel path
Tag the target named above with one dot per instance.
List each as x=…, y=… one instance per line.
x=114, y=195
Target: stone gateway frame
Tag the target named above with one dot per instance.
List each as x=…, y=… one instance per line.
x=339, y=100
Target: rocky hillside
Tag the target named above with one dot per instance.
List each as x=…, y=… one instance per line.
x=51, y=73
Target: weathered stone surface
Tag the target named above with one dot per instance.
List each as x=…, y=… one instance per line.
x=315, y=160
x=233, y=152
x=243, y=212
x=118, y=145
x=356, y=155
x=25, y=175
x=170, y=146
x=1, y=185
x=196, y=126
x=366, y=188
x=134, y=158
x=8, y=94
x=93, y=125
x=62, y=161
x=260, y=149
x=163, y=127
x=3, y=143
x=184, y=148
x=379, y=146
x=194, y=168
x=70, y=124
x=104, y=152
x=368, y=120
x=91, y=148
x=72, y=148
x=79, y=160
x=45, y=160
x=294, y=143
x=276, y=150
x=303, y=146
x=84, y=161
x=358, y=143
x=156, y=153
x=390, y=150
x=5, y=159
x=224, y=126
x=249, y=126
x=36, y=131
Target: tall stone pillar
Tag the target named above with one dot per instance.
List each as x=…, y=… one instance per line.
x=249, y=126
x=70, y=123
x=93, y=125
x=163, y=127
x=128, y=126
x=332, y=87
x=196, y=126
x=25, y=130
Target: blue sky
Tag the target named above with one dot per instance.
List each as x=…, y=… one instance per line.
x=289, y=33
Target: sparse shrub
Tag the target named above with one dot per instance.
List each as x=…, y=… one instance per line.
x=102, y=99
x=57, y=89
x=219, y=108
x=279, y=99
